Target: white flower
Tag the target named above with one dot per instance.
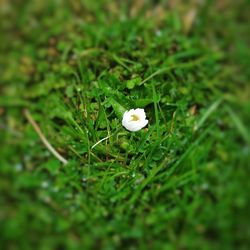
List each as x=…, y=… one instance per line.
x=134, y=119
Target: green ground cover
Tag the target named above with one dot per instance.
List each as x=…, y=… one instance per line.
x=75, y=66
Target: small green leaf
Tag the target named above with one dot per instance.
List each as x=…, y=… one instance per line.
x=52, y=166
x=130, y=84
x=118, y=108
x=70, y=91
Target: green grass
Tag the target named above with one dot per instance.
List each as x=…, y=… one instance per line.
x=180, y=183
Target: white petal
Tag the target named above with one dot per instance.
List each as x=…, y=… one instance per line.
x=132, y=125
x=144, y=123
x=140, y=113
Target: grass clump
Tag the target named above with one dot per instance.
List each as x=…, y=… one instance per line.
x=180, y=183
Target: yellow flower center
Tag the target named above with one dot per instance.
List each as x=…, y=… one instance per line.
x=135, y=118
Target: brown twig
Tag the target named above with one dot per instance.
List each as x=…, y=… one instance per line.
x=42, y=137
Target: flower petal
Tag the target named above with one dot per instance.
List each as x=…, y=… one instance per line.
x=131, y=124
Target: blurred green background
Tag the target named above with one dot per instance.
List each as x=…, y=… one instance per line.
x=181, y=183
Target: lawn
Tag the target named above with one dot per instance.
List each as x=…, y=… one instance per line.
x=72, y=177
